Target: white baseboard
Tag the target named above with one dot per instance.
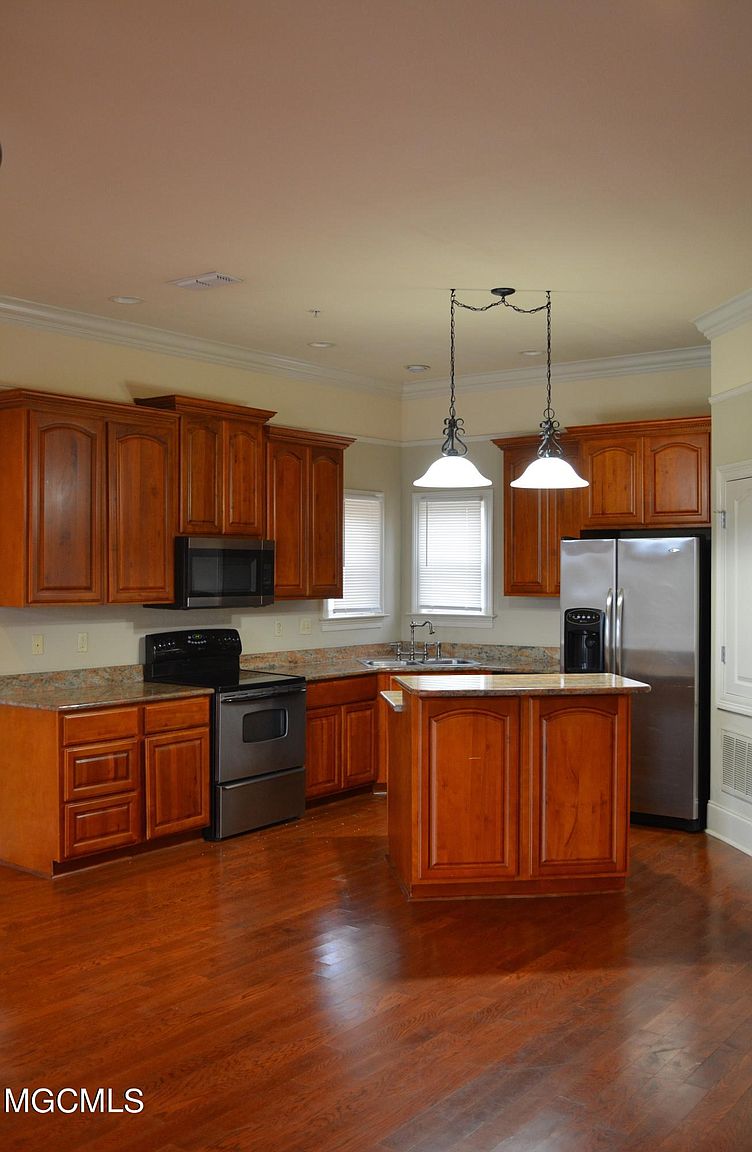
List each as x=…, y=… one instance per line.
x=730, y=827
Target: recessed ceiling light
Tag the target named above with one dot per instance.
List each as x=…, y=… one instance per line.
x=418, y=367
x=126, y=299
x=531, y=352
x=321, y=344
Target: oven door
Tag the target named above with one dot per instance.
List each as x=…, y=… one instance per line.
x=259, y=733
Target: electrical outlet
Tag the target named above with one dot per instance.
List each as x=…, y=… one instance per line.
x=37, y=644
x=83, y=642
x=278, y=628
x=305, y=626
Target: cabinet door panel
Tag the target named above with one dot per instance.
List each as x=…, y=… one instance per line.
x=142, y=512
x=98, y=770
x=167, y=715
x=177, y=782
x=286, y=517
x=66, y=529
x=200, y=481
x=471, y=781
x=325, y=523
x=323, y=751
x=243, y=501
x=526, y=535
x=358, y=744
x=89, y=726
x=677, y=470
x=579, y=757
x=614, y=471
x=101, y=825
x=534, y=522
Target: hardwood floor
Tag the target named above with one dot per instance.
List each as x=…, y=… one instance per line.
x=276, y=993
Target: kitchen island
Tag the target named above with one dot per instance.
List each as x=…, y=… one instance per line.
x=509, y=785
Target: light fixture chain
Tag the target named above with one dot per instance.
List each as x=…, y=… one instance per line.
x=496, y=303
x=454, y=428
x=549, y=410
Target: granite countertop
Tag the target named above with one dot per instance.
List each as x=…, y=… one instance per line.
x=539, y=684
x=124, y=684
x=60, y=691
x=334, y=663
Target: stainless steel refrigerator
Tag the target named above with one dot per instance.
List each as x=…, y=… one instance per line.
x=653, y=594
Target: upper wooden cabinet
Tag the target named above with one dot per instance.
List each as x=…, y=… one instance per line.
x=82, y=480
x=646, y=475
x=64, y=511
x=221, y=465
x=304, y=511
x=535, y=520
x=142, y=509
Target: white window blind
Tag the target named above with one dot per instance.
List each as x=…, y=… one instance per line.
x=452, y=561
x=363, y=586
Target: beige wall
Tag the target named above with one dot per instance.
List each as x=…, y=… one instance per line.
x=31, y=358
x=70, y=364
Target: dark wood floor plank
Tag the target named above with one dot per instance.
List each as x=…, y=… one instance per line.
x=276, y=993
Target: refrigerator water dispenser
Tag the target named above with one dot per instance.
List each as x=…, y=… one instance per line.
x=583, y=640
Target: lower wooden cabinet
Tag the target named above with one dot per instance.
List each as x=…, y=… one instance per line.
x=101, y=779
x=80, y=783
x=509, y=795
x=176, y=766
x=579, y=785
x=341, y=735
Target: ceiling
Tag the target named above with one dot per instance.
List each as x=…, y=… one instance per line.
x=361, y=159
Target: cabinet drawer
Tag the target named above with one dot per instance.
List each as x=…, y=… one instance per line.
x=100, y=769
x=171, y=714
x=326, y=693
x=101, y=825
x=104, y=724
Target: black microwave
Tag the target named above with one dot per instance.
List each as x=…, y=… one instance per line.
x=222, y=572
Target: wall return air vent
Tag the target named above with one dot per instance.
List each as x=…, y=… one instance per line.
x=206, y=280
x=737, y=766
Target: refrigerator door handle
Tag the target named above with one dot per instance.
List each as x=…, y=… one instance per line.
x=607, y=630
x=618, y=629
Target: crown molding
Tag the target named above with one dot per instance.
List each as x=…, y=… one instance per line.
x=86, y=326
x=671, y=360
x=726, y=317
x=81, y=324
x=731, y=394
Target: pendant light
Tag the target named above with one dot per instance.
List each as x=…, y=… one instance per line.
x=549, y=469
x=452, y=469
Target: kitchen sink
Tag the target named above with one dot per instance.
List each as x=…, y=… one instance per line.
x=393, y=663
x=432, y=662
x=449, y=662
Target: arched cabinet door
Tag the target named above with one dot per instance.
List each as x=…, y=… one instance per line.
x=66, y=543
x=287, y=517
x=676, y=479
x=613, y=469
x=142, y=493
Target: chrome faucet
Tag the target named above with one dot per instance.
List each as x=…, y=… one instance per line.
x=418, y=624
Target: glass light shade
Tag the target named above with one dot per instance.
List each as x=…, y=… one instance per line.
x=549, y=472
x=452, y=472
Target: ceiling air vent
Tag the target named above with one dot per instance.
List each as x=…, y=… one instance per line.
x=207, y=280
x=737, y=765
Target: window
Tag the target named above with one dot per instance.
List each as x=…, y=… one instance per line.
x=363, y=587
x=452, y=553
